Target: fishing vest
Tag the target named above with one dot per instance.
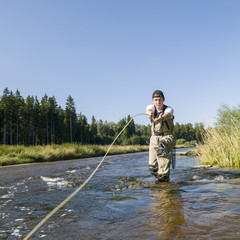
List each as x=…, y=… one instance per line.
x=161, y=128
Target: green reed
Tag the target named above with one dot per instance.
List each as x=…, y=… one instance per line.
x=221, y=146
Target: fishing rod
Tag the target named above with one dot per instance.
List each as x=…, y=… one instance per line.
x=82, y=185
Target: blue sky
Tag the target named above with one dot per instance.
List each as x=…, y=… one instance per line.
x=111, y=55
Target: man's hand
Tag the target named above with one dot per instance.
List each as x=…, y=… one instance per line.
x=149, y=113
x=158, y=118
x=162, y=117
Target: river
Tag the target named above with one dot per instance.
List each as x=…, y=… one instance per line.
x=121, y=201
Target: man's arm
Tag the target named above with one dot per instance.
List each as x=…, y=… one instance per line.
x=163, y=117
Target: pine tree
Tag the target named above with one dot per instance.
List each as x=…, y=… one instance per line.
x=19, y=104
x=83, y=129
x=52, y=116
x=44, y=119
x=60, y=126
x=29, y=120
x=93, y=130
x=5, y=109
x=71, y=117
x=36, y=121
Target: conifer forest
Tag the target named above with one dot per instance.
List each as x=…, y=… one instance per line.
x=32, y=121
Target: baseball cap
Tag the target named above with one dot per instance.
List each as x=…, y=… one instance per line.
x=157, y=93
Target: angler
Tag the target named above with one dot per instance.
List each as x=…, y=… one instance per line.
x=162, y=140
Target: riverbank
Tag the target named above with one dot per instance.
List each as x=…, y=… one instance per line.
x=11, y=155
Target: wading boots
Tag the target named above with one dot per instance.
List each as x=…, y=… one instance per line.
x=162, y=178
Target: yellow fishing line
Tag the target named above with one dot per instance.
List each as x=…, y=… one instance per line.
x=79, y=188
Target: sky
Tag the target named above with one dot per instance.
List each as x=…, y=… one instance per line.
x=110, y=55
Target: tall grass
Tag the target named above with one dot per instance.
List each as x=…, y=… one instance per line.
x=21, y=154
x=221, y=146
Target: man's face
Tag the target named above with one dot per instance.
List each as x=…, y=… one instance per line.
x=158, y=102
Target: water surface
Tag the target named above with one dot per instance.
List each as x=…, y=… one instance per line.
x=121, y=201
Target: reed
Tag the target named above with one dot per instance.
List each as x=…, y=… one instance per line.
x=10, y=155
x=221, y=146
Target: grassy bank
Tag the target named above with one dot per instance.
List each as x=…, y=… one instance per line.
x=221, y=146
x=10, y=155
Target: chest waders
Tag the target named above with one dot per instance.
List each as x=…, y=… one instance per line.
x=162, y=128
x=161, y=143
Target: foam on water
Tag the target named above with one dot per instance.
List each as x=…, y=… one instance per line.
x=16, y=233
x=197, y=178
x=60, y=182
x=73, y=171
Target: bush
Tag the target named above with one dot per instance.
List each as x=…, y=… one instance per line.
x=180, y=141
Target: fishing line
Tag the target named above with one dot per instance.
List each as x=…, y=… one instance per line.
x=81, y=186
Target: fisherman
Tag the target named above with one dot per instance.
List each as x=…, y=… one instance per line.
x=162, y=139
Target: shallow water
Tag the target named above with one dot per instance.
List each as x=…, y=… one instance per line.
x=121, y=201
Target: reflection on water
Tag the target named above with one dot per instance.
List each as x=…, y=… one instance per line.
x=121, y=201
x=168, y=213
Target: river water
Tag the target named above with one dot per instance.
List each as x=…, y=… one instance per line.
x=121, y=201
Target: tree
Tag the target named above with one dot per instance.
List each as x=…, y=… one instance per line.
x=199, y=131
x=44, y=120
x=36, y=121
x=5, y=110
x=93, y=130
x=71, y=117
x=189, y=132
x=83, y=129
x=130, y=130
x=61, y=131
x=52, y=103
x=11, y=110
x=19, y=104
x=29, y=120
x=227, y=116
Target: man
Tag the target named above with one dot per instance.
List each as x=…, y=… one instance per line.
x=162, y=139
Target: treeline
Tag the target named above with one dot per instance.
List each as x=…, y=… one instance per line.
x=32, y=121
x=188, y=132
